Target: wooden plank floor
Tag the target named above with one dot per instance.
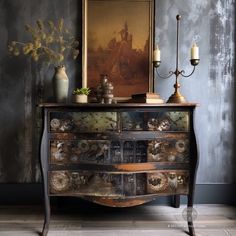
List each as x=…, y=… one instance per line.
x=146, y=220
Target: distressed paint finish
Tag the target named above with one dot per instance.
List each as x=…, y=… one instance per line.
x=110, y=185
x=209, y=22
x=211, y=25
x=127, y=178
x=24, y=84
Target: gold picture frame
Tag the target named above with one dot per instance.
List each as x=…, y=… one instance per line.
x=118, y=41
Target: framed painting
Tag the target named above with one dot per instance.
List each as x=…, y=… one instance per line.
x=118, y=42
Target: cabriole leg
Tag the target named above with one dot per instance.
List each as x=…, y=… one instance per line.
x=190, y=215
x=46, y=216
x=176, y=201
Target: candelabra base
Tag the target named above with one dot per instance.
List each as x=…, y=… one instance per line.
x=176, y=98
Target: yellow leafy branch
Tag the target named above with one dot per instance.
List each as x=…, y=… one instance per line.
x=50, y=42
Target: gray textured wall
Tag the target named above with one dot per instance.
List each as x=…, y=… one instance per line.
x=24, y=84
x=211, y=24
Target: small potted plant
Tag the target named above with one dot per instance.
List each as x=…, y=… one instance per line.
x=81, y=95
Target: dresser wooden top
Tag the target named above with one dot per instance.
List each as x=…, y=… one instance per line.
x=117, y=105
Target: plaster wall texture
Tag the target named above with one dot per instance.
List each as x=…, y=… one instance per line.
x=211, y=24
x=24, y=84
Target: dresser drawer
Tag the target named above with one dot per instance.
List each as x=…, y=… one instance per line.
x=108, y=121
x=79, y=151
x=97, y=151
x=85, y=183
x=111, y=184
x=155, y=121
x=81, y=122
x=168, y=182
x=174, y=149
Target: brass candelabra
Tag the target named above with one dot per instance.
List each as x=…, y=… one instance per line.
x=177, y=97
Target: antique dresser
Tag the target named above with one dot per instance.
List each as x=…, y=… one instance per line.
x=118, y=155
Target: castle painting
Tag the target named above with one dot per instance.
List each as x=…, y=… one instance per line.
x=119, y=45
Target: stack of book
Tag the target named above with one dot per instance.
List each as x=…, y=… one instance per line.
x=146, y=98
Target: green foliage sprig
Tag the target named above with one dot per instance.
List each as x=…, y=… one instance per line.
x=79, y=91
x=50, y=42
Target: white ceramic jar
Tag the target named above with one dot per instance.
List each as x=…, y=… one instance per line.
x=60, y=84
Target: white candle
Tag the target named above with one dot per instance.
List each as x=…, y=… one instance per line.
x=157, y=54
x=194, y=52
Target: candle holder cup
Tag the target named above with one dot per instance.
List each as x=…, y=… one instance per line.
x=156, y=63
x=194, y=62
